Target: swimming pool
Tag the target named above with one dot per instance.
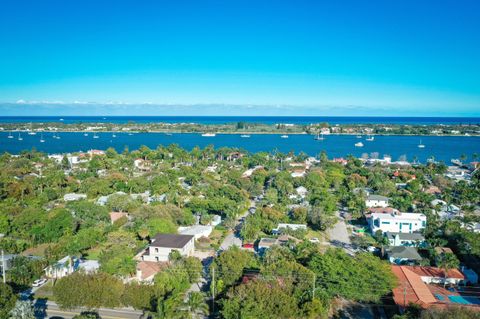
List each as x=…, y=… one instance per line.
x=465, y=300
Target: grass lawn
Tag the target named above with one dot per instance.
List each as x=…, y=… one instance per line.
x=93, y=253
x=45, y=292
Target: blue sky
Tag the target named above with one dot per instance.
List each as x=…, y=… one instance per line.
x=316, y=57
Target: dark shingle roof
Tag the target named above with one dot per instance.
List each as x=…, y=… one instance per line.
x=406, y=236
x=403, y=252
x=170, y=240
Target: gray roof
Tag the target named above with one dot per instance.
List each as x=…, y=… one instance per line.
x=405, y=236
x=377, y=197
x=170, y=240
x=403, y=252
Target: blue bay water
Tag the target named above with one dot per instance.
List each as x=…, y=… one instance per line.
x=443, y=148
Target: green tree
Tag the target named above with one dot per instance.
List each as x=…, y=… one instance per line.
x=7, y=300
x=23, y=310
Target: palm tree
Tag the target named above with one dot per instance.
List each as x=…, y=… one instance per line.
x=446, y=262
x=196, y=304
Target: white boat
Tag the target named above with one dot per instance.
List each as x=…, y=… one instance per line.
x=20, y=138
x=359, y=144
x=319, y=137
x=61, y=119
x=284, y=136
x=359, y=136
x=168, y=134
x=32, y=133
x=130, y=134
x=421, y=145
x=10, y=135
x=41, y=139
x=95, y=135
x=113, y=135
x=456, y=161
x=245, y=135
x=208, y=134
x=370, y=138
x=85, y=134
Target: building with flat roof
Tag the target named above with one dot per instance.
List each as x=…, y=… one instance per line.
x=397, y=222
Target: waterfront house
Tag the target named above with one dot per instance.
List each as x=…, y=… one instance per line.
x=163, y=244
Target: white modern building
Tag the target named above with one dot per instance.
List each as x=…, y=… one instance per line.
x=163, y=244
x=397, y=222
x=376, y=201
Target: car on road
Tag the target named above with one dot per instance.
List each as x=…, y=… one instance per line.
x=39, y=282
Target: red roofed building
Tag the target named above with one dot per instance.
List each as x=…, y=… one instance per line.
x=415, y=286
x=114, y=216
x=146, y=270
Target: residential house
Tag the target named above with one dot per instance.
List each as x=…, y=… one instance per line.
x=163, y=244
x=266, y=243
x=197, y=231
x=376, y=201
x=405, y=239
x=415, y=286
x=142, y=165
x=64, y=267
x=402, y=255
x=146, y=270
x=70, y=197
x=114, y=216
x=89, y=266
x=397, y=222
x=290, y=226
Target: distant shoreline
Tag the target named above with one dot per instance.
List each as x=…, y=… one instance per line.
x=234, y=133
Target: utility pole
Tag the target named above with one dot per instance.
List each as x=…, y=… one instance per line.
x=313, y=289
x=3, y=268
x=404, y=297
x=213, y=290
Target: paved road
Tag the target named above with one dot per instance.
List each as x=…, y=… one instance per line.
x=339, y=236
x=233, y=239
x=51, y=309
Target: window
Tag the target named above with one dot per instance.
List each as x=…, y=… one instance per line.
x=385, y=223
x=156, y=250
x=156, y=258
x=424, y=223
x=376, y=222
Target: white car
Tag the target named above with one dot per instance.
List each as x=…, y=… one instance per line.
x=39, y=282
x=315, y=240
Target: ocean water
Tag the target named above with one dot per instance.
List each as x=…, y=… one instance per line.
x=250, y=119
x=442, y=148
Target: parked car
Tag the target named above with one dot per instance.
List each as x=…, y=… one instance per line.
x=248, y=245
x=314, y=240
x=39, y=282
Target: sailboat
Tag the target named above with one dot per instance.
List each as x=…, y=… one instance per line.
x=20, y=138
x=10, y=135
x=421, y=145
x=359, y=144
x=95, y=135
x=41, y=139
x=370, y=138
x=319, y=137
